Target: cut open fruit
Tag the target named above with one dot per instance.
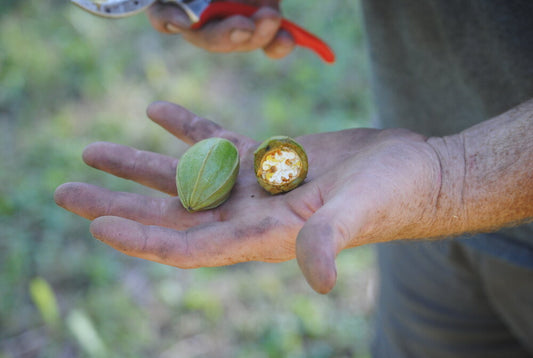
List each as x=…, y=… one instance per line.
x=280, y=164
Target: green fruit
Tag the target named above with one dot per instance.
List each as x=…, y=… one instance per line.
x=206, y=174
x=280, y=164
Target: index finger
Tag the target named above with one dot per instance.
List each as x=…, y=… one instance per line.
x=153, y=170
x=167, y=18
x=187, y=126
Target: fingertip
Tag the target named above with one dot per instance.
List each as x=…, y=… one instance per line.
x=95, y=227
x=90, y=153
x=239, y=36
x=167, y=114
x=155, y=105
x=61, y=193
x=320, y=274
x=224, y=36
x=159, y=109
x=181, y=122
x=67, y=195
x=281, y=46
x=315, y=254
x=98, y=225
x=172, y=29
x=267, y=25
x=267, y=13
x=322, y=279
x=167, y=18
x=326, y=284
x=111, y=230
x=152, y=108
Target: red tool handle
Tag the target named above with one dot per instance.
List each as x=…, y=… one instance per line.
x=223, y=9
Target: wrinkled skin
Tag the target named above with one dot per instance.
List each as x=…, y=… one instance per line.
x=234, y=34
x=389, y=176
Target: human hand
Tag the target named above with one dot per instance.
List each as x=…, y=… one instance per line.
x=363, y=186
x=233, y=34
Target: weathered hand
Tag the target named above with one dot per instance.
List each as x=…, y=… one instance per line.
x=363, y=186
x=234, y=34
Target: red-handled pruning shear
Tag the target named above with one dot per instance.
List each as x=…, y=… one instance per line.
x=201, y=12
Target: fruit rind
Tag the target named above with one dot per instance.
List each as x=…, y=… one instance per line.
x=286, y=145
x=206, y=174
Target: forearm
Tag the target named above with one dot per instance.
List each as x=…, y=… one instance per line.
x=487, y=174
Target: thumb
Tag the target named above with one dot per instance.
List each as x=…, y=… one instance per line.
x=317, y=245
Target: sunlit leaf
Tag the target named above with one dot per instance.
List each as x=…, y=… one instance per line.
x=44, y=298
x=85, y=333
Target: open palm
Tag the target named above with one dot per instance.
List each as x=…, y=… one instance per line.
x=353, y=176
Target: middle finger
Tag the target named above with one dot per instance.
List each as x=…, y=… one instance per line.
x=153, y=170
x=90, y=202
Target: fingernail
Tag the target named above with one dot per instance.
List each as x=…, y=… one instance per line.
x=239, y=36
x=172, y=28
x=281, y=50
x=267, y=28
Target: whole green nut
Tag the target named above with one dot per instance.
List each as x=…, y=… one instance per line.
x=206, y=173
x=280, y=164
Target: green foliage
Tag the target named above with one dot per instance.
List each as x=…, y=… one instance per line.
x=68, y=79
x=85, y=333
x=43, y=297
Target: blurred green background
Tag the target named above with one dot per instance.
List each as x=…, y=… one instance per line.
x=67, y=79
